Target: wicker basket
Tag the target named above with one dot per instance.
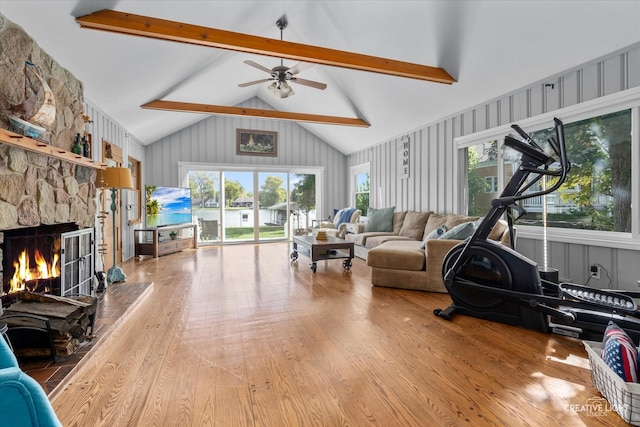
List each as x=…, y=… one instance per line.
x=623, y=397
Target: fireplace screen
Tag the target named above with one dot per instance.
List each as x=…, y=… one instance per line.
x=77, y=261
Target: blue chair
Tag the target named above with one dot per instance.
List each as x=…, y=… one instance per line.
x=23, y=402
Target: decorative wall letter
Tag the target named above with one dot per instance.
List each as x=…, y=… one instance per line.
x=404, y=156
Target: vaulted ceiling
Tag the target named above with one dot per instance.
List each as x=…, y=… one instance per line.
x=490, y=47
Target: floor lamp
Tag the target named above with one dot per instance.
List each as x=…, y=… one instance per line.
x=115, y=179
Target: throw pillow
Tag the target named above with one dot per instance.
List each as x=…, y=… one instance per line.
x=435, y=221
x=413, y=225
x=613, y=330
x=455, y=219
x=379, y=219
x=434, y=235
x=619, y=353
x=460, y=231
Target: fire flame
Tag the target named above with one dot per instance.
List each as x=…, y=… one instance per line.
x=24, y=273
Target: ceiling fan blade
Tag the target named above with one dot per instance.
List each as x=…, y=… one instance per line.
x=127, y=23
x=189, y=107
x=300, y=66
x=311, y=83
x=258, y=66
x=255, y=82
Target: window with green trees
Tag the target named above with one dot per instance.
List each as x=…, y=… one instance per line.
x=597, y=193
x=362, y=191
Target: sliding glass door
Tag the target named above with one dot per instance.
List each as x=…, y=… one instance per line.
x=239, y=206
x=206, y=204
x=302, y=193
x=235, y=205
x=274, y=210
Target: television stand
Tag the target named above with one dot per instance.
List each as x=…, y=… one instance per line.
x=165, y=240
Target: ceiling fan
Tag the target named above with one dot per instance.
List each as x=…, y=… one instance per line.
x=282, y=75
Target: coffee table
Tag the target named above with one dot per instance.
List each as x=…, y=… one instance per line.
x=318, y=250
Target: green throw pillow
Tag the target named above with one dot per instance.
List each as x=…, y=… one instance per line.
x=379, y=219
x=460, y=231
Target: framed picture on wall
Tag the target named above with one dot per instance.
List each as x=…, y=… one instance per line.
x=256, y=143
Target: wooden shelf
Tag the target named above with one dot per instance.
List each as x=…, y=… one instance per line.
x=41, y=147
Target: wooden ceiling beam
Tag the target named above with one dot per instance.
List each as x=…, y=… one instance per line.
x=127, y=23
x=188, y=107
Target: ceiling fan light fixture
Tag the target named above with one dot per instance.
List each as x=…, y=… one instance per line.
x=280, y=89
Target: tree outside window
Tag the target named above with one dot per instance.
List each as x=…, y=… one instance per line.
x=362, y=192
x=597, y=192
x=482, y=182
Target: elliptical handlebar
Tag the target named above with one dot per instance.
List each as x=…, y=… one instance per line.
x=533, y=157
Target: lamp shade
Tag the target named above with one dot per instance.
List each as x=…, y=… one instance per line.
x=114, y=178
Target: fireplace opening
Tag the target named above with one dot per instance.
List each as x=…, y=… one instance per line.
x=31, y=260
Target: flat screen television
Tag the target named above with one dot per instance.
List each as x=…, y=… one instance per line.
x=167, y=206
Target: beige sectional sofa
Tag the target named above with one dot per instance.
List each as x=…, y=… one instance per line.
x=397, y=259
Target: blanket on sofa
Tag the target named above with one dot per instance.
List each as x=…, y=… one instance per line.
x=344, y=215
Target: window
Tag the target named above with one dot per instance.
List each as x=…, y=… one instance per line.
x=599, y=193
x=482, y=176
x=491, y=184
x=361, y=186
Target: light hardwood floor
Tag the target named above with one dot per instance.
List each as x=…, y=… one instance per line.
x=236, y=336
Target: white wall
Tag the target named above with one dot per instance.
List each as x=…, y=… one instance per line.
x=432, y=186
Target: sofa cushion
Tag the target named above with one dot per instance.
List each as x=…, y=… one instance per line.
x=374, y=241
x=379, y=219
x=361, y=239
x=413, y=225
x=397, y=254
x=398, y=220
x=498, y=230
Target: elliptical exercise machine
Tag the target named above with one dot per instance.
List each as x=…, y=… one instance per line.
x=489, y=280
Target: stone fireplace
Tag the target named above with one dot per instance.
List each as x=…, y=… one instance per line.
x=42, y=194
x=47, y=195
x=41, y=197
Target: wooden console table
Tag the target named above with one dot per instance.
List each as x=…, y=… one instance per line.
x=165, y=240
